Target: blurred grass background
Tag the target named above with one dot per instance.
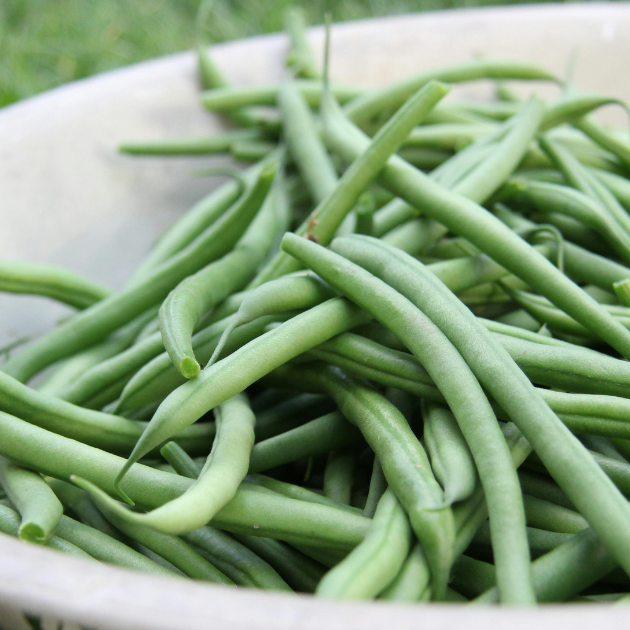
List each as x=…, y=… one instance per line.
x=48, y=42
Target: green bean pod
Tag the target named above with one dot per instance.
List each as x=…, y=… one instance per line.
x=235, y=560
x=293, y=292
x=467, y=219
x=39, y=508
x=10, y=525
x=450, y=456
x=17, y=276
x=158, y=378
x=458, y=385
x=412, y=584
x=300, y=57
x=219, y=479
x=233, y=374
x=97, y=321
x=363, y=108
x=592, y=492
x=298, y=570
x=206, y=145
x=339, y=475
x=329, y=214
x=171, y=548
x=375, y=563
x=317, y=437
x=304, y=143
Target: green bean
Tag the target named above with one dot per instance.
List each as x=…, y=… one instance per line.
x=171, y=548
x=97, y=321
x=365, y=107
x=471, y=408
x=543, y=488
x=618, y=185
x=242, y=368
x=68, y=370
x=472, y=577
x=181, y=310
x=106, y=431
x=482, y=181
x=290, y=414
x=304, y=143
x=578, y=475
x=218, y=481
x=180, y=461
x=300, y=572
x=573, y=108
x=405, y=464
x=581, y=264
x=550, y=517
x=552, y=198
x=415, y=236
x=17, y=276
x=231, y=97
x=449, y=136
x=392, y=215
x=158, y=378
x=300, y=56
x=284, y=294
x=540, y=541
x=544, y=311
x=201, y=216
x=323, y=222
x=485, y=231
x=424, y=159
x=378, y=485
x=581, y=178
x=339, y=475
x=375, y=563
x=39, y=508
x=605, y=139
x=412, y=582
x=10, y=524
x=80, y=504
x=566, y=570
x=106, y=549
x=235, y=560
x=217, y=143
x=274, y=515
x=251, y=150
x=450, y=456
x=313, y=438
x=114, y=371
x=473, y=512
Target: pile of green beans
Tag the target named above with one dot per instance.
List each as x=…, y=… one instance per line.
x=388, y=359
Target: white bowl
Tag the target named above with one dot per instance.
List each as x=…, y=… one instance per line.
x=68, y=198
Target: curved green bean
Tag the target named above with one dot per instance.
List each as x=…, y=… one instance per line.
x=39, y=508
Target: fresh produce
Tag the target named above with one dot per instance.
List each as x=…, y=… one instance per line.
x=388, y=359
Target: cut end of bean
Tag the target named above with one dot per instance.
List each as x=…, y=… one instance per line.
x=31, y=532
x=188, y=367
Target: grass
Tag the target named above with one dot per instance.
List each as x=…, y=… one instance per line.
x=48, y=42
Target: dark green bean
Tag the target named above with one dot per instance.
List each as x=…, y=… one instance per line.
x=339, y=475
